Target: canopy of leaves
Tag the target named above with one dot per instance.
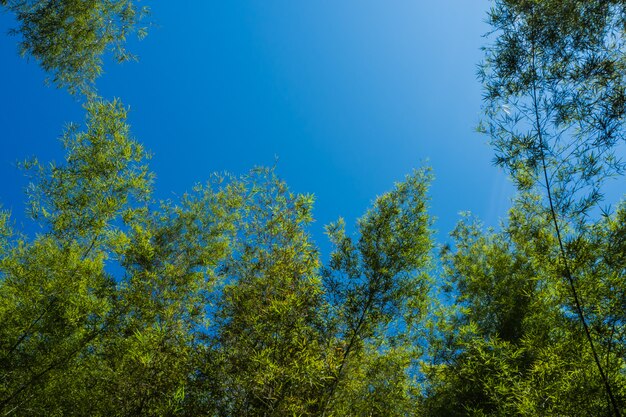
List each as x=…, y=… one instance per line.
x=69, y=37
x=216, y=304
x=219, y=303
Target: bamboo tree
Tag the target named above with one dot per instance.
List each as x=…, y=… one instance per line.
x=504, y=344
x=57, y=298
x=264, y=354
x=69, y=37
x=555, y=101
x=378, y=291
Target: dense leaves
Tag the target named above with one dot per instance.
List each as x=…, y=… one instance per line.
x=510, y=344
x=554, y=93
x=215, y=304
x=69, y=37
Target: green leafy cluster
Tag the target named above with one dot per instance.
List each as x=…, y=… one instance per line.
x=215, y=304
x=510, y=342
x=69, y=37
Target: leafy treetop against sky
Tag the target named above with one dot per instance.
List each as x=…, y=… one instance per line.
x=220, y=304
x=349, y=96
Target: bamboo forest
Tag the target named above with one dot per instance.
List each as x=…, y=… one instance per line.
x=220, y=301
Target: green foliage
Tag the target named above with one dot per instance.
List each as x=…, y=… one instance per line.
x=509, y=343
x=555, y=96
x=78, y=338
x=214, y=305
x=555, y=99
x=57, y=298
x=69, y=37
x=169, y=257
x=218, y=304
x=378, y=291
x=102, y=174
x=266, y=342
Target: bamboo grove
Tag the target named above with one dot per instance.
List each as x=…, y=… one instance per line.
x=218, y=303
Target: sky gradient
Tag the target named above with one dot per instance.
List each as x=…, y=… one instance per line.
x=349, y=96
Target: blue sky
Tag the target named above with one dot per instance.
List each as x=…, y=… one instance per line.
x=349, y=96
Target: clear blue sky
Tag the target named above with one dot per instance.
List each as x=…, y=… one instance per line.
x=349, y=95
